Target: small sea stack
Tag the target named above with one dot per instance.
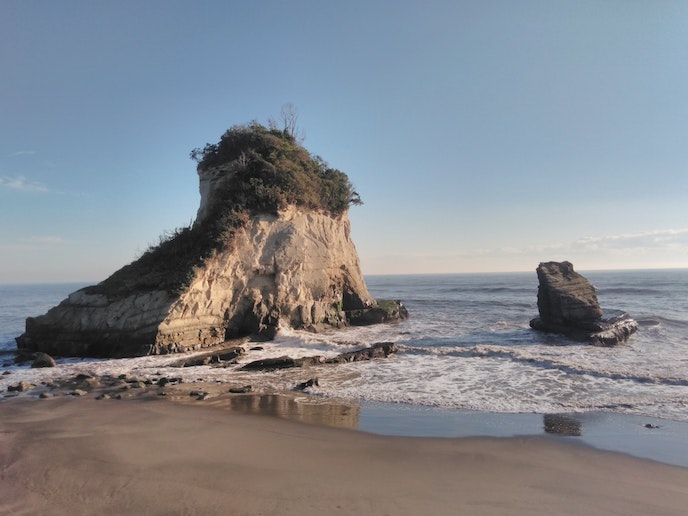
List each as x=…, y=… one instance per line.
x=568, y=305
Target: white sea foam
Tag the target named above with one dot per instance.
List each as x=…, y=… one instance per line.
x=467, y=345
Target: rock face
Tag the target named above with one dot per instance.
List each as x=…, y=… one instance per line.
x=270, y=247
x=298, y=268
x=568, y=305
x=211, y=180
x=564, y=296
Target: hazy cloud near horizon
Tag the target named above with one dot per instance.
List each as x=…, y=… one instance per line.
x=658, y=239
x=585, y=253
x=22, y=184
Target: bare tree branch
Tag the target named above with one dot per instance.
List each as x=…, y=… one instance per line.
x=289, y=116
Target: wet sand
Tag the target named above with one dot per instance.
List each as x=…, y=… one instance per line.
x=81, y=456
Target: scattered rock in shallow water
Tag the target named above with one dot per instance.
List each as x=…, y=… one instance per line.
x=652, y=426
x=614, y=330
x=229, y=354
x=43, y=360
x=241, y=390
x=377, y=350
x=285, y=362
x=305, y=385
x=136, y=385
x=103, y=396
x=385, y=311
x=78, y=392
x=166, y=381
x=90, y=382
x=196, y=361
x=20, y=387
x=5, y=373
x=45, y=395
x=271, y=363
x=220, y=356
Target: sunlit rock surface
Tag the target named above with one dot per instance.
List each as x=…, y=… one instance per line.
x=298, y=268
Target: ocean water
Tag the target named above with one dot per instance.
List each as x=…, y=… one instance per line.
x=466, y=345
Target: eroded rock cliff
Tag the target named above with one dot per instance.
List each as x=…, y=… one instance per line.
x=261, y=254
x=297, y=268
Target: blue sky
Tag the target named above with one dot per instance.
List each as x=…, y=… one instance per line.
x=482, y=136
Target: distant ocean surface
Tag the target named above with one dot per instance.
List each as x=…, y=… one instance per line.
x=467, y=345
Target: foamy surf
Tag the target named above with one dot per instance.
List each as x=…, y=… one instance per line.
x=467, y=345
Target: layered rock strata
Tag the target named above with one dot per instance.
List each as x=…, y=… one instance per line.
x=298, y=268
x=568, y=305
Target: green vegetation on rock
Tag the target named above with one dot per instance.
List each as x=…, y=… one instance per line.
x=271, y=170
x=267, y=170
x=390, y=307
x=384, y=310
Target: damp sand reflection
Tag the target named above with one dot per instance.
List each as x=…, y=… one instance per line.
x=303, y=409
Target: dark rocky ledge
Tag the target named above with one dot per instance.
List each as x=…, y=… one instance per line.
x=377, y=350
x=224, y=356
x=568, y=305
x=385, y=311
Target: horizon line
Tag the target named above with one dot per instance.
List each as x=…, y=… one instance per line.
x=628, y=269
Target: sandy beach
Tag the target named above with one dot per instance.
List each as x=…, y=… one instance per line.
x=80, y=456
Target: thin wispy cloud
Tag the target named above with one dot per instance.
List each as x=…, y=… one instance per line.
x=22, y=184
x=22, y=153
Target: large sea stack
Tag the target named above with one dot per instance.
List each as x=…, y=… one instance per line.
x=270, y=246
x=568, y=305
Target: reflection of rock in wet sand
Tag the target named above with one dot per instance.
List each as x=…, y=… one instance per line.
x=562, y=425
x=303, y=410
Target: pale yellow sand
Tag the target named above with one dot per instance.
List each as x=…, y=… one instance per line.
x=77, y=456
